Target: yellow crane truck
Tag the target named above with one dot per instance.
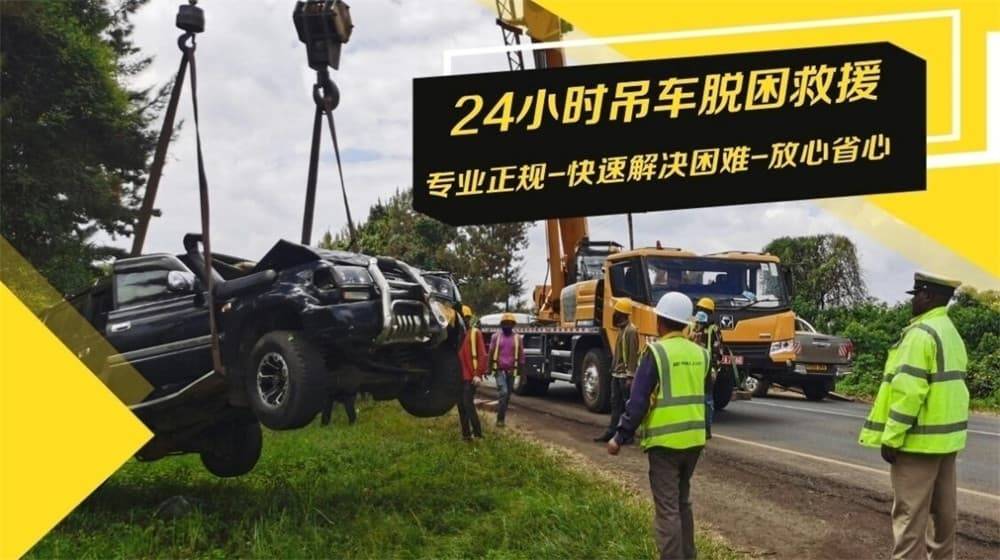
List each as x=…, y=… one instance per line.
x=573, y=337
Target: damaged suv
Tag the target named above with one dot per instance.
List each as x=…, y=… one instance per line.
x=295, y=327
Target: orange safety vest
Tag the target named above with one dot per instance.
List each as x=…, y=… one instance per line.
x=517, y=353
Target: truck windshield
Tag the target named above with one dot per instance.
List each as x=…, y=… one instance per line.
x=590, y=267
x=726, y=281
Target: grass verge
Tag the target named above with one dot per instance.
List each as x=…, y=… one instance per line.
x=391, y=486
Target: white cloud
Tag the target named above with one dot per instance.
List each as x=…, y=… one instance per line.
x=255, y=94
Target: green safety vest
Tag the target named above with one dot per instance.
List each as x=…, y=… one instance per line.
x=923, y=404
x=676, y=418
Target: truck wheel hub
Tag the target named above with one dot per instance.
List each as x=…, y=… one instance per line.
x=590, y=381
x=272, y=379
x=750, y=383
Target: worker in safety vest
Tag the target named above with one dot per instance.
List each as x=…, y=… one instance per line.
x=626, y=358
x=919, y=422
x=705, y=332
x=506, y=359
x=473, y=358
x=668, y=402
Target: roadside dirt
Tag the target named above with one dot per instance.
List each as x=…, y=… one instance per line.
x=761, y=508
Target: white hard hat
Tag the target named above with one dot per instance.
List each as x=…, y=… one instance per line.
x=676, y=307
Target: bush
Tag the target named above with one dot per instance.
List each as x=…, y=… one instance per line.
x=874, y=327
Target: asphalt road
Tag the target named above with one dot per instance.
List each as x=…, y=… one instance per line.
x=782, y=476
x=828, y=429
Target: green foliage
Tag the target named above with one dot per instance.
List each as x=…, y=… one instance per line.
x=75, y=139
x=486, y=260
x=391, y=486
x=874, y=327
x=825, y=270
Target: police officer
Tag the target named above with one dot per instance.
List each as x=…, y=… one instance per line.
x=919, y=422
x=668, y=402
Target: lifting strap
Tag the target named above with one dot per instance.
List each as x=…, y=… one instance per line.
x=326, y=98
x=205, y=213
x=186, y=43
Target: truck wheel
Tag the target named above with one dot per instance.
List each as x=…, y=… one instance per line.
x=595, y=380
x=232, y=448
x=815, y=391
x=757, y=387
x=286, y=383
x=722, y=391
x=437, y=392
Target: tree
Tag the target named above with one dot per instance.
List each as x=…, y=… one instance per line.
x=486, y=260
x=76, y=138
x=490, y=259
x=825, y=271
x=393, y=228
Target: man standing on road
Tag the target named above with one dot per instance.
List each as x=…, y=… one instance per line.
x=919, y=421
x=506, y=359
x=668, y=402
x=473, y=358
x=626, y=357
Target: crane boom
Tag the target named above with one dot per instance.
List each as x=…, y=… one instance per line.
x=562, y=235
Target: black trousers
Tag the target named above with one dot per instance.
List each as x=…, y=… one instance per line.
x=467, y=414
x=619, y=396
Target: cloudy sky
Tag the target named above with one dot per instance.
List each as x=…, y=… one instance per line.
x=255, y=88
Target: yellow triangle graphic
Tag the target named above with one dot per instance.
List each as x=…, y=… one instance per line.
x=62, y=432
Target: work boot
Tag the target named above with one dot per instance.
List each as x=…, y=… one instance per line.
x=604, y=438
x=500, y=423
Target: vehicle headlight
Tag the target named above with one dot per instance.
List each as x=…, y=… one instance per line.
x=354, y=282
x=352, y=276
x=782, y=346
x=438, y=308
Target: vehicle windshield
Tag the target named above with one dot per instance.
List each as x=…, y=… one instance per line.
x=590, y=267
x=442, y=287
x=730, y=283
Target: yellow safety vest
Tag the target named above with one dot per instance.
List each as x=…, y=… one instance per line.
x=923, y=403
x=676, y=417
x=517, y=352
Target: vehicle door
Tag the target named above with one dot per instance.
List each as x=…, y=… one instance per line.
x=157, y=325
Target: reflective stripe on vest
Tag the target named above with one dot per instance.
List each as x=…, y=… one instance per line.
x=676, y=419
x=472, y=346
x=940, y=423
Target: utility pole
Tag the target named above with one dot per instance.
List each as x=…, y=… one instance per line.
x=631, y=239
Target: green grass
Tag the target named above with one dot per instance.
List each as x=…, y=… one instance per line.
x=390, y=486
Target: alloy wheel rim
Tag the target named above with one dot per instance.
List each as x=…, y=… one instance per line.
x=272, y=379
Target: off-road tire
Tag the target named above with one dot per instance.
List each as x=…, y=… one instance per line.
x=595, y=392
x=232, y=448
x=722, y=391
x=816, y=391
x=306, y=383
x=439, y=390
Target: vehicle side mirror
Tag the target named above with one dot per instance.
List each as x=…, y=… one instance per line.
x=181, y=282
x=789, y=284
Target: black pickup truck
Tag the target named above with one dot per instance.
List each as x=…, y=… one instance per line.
x=296, y=326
